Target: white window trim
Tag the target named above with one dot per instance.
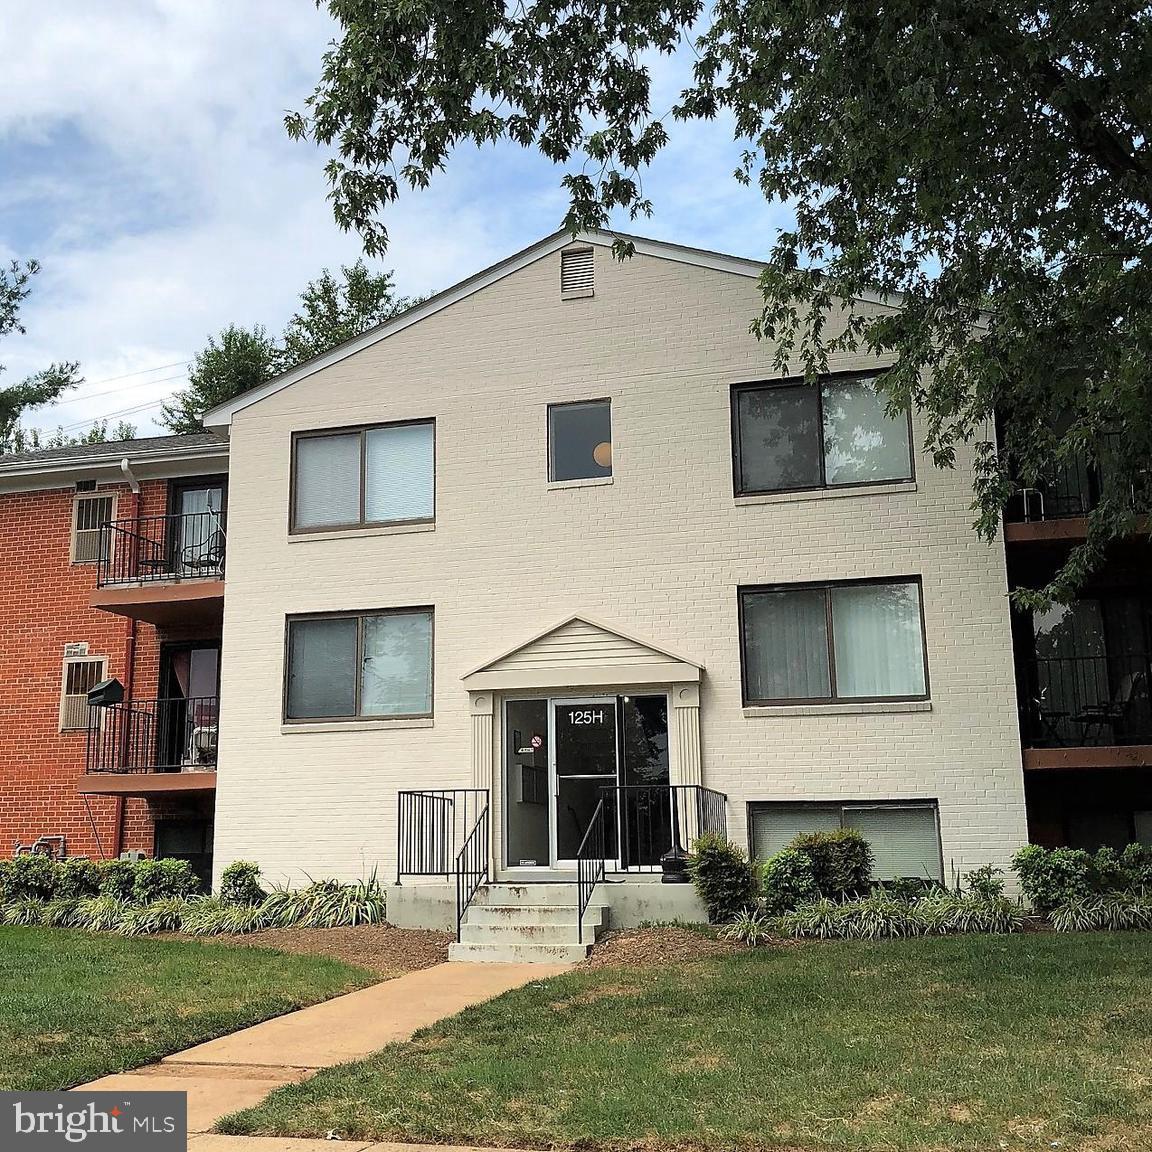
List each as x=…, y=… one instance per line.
x=77, y=498
x=64, y=697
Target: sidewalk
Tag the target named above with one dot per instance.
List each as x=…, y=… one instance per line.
x=239, y=1070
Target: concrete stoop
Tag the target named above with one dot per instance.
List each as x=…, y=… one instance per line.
x=527, y=924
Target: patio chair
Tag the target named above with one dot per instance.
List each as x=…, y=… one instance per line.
x=1111, y=713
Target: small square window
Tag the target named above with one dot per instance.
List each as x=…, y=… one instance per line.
x=580, y=440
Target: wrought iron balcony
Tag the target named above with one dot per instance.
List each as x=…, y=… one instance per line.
x=1085, y=701
x=170, y=735
x=160, y=549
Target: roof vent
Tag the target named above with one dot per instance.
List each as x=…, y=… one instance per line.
x=576, y=273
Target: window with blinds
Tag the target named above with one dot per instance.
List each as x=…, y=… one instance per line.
x=365, y=476
x=90, y=537
x=905, y=837
x=81, y=675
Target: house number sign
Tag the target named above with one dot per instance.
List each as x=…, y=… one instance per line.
x=586, y=716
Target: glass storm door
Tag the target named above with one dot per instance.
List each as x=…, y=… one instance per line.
x=584, y=761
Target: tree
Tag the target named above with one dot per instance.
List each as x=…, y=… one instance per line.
x=232, y=363
x=988, y=164
x=33, y=439
x=42, y=387
x=331, y=311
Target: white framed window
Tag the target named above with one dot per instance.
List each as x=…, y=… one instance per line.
x=80, y=675
x=904, y=835
x=91, y=540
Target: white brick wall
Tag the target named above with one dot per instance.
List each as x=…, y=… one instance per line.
x=660, y=552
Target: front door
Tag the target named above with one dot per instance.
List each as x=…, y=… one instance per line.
x=585, y=759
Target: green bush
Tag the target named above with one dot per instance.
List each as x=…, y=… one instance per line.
x=1108, y=911
x=841, y=860
x=240, y=884
x=163, y=880
x=61, y=912
x=906, y=887
x=27, y=878
x=723, y=877
x=22, y=911
x=985, y=882
x=942, y=913
x=76, y=879
x=1051, y=877
x=117, y=879
x=787, y=880
x=751, y=926
x=165, y=915
x=99, y=914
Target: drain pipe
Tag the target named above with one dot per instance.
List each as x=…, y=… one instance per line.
x=129, y=663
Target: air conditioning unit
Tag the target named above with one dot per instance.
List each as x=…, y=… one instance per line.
x=134, y=855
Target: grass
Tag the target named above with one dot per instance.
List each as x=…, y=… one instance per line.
x=74, y=1007
x=972, y=1042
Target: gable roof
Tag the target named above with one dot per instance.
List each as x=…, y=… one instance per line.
x=580, y=651
x=220, y=417
x=134, y=449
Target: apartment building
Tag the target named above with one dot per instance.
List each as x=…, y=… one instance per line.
x=111, y=579
x=558, y=566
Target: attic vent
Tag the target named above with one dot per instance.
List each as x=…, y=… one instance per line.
x=76, y=649
x=576, y=270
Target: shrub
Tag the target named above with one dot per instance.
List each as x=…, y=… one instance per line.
x=99, y=914
x=61, y=912
x=906, y=887
x=985, y=882
x=162, y=916
x=786, y=880
x=30, y=877
x=23, y=911
x=1051, y=877
x=1136, y=868
x=76, y=879
x=326, y=904
x=214, y=918
x=1109, y=911
x=751, y=926
x=240, y=884
x=841, y=860
x=723, y=877
x=163, y=880
x=943, y=913
x=117, y=879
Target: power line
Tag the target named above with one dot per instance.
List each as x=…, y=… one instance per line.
x=141, y=372
x=109, y=415
x=127, y=387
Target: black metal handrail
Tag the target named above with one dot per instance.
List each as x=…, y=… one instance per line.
x=472, y=862
x=156, y=549
x=1074, y=489
x=656, y=818
x=1085, y=701
x=590, y=864
x=165, y=735
x=432, y=824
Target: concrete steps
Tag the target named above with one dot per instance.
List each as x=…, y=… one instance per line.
x=526, y=924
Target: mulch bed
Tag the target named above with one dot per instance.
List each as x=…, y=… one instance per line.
x=379, y=948
x=644, y=947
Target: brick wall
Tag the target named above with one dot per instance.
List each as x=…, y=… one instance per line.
x=44, y=604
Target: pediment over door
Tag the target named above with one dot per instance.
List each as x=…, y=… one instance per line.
x=581, y=652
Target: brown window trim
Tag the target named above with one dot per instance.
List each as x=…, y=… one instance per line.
x=826, y=586
x=549, y=408
x=792, y=382
x=361, y=430
x=359, y=617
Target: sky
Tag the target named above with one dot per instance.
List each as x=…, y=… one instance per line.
x=144, y=163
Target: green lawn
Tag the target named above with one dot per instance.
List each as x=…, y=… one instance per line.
x=968, y=1042
x=74, y=1007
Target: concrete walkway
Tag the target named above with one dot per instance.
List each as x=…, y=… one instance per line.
x=238, y=1071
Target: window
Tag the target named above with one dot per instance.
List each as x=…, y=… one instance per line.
x=90, y=537
x=794, y=435
x=904, y=837
x=580, y=440
x=376, y=665
x=363, y=477
x=862, y=641
x=81, y=675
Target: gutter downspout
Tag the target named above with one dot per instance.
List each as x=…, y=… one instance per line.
x=130, y=476
x=129, y=664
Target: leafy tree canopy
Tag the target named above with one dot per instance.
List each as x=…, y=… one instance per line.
x=43, y=387
x=331, y=311
x=980, y=159
x=33, y=439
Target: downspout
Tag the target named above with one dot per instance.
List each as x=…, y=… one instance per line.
x=129, y=663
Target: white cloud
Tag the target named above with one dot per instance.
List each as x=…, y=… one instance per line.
x=147, y=167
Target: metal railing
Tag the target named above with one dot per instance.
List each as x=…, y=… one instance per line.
x=432, y=826
x=1074, y=490
x=472, y=863
x=177, y=734
x=156, y=549
x=590, y=864
x=1085, y=701
x=655, y=818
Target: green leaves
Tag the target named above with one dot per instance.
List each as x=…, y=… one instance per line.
x=985, y=168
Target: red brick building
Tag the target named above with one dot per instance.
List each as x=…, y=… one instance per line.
x=111, y=568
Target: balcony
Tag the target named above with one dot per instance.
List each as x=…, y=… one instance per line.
x=144, y=747
x=164, y=569
x=1086, y=711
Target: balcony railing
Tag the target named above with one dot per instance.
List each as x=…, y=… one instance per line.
x=172, y=735
x=1085, y=701
x=157, y=549
x=1074, y=492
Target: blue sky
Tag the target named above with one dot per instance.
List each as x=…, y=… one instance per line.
x=143, y=161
